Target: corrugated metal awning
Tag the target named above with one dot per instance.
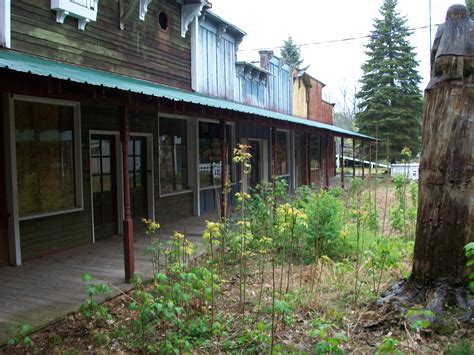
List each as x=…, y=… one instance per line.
x=44, y=67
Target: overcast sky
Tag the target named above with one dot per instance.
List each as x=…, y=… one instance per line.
x=269, y=22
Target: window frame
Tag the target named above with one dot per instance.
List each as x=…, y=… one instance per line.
x=188, y=153
x=232, y=168
x=78, y=173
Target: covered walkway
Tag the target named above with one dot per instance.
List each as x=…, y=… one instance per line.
x=46, y=289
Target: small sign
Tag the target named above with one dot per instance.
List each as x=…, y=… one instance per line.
x=177, y=140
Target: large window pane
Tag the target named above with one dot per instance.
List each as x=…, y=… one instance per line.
x=210, y=154
x=282, y=153
x=173, y=155
x=44, y=157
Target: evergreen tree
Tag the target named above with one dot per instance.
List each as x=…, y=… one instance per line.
x=470, y=8
x=291, y=53
x=390, y=100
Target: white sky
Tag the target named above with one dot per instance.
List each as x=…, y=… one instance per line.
x=269, y=22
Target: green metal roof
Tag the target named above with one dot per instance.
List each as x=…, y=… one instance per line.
x=44, y=67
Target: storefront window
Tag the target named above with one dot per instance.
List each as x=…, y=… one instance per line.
x=45, y=157
x=210, y=154
x=173, y=155
x=282, y=153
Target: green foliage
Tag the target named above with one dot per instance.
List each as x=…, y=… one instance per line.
x=419, y=319
x=463, y=347
x=90, y=309
x=388, y=346
x=469, y=252
x=21, y=336
x=323, y=235
x=291, y=53
x=403, y=214
x=470, y=8
x=330, y=340
x=390, y=100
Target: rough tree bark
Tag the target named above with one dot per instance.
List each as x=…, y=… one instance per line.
x=445, y=220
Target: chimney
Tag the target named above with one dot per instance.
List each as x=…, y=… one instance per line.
x=265, y=57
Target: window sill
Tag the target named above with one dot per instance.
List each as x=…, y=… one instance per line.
x=50, y=213
x=175, y=193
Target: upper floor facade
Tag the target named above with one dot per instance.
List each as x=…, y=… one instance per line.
x=179, y=43
x=307, y=98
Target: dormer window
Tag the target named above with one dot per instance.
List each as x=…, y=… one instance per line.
x=84, y=10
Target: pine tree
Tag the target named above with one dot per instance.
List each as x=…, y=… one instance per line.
x=470, y=7
x=291, y=53
x=390, y=100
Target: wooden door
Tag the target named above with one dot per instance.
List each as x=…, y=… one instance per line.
x=3, y=202
x=104, y=187
x=255, y=176
x=137, y=176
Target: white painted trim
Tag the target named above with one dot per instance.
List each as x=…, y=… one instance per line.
x=195, y=54
x=11, y=184
x=177, y=193
x=5, y=23
x=77, y=153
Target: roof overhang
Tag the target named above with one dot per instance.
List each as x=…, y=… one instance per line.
x=48, y=68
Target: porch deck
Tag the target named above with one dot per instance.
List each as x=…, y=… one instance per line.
x=46, y=289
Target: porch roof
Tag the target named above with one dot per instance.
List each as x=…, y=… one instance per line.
x=44, y=67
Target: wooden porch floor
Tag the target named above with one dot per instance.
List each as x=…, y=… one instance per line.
x=46, y=289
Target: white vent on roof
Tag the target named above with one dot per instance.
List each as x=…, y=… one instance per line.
x=84, y=10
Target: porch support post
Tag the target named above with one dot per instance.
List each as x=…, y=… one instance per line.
x=308, y=160
x=326, y=162
x=273, y=136
x=320, y=158
x=362, y=158
x=353, y=158
x=223, y=140
x=129, y=258
x=341, y=161
x=370, y=160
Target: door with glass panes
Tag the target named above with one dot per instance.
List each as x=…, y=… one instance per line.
x=137, y=176
x=104, y=186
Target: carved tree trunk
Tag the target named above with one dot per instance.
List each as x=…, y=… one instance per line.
x=445, y=221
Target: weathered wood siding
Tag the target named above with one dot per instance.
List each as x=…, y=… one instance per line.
x=141, y=50
x=300, y=98
x=216, y=62
x=327, y=113
x=248, y=90
x=280, y=86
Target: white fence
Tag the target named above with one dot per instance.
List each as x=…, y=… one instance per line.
x=411, y=171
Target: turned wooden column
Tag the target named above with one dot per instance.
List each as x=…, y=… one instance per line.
x=353, y=158
x=129, y=257
x=223, y=141
x=361, y=158
x=341, y=161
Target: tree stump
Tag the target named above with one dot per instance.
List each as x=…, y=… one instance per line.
x=445, y=220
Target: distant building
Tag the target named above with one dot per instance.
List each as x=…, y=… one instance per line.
x=411, y=171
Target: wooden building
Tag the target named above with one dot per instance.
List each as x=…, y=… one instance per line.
x=116, y=110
